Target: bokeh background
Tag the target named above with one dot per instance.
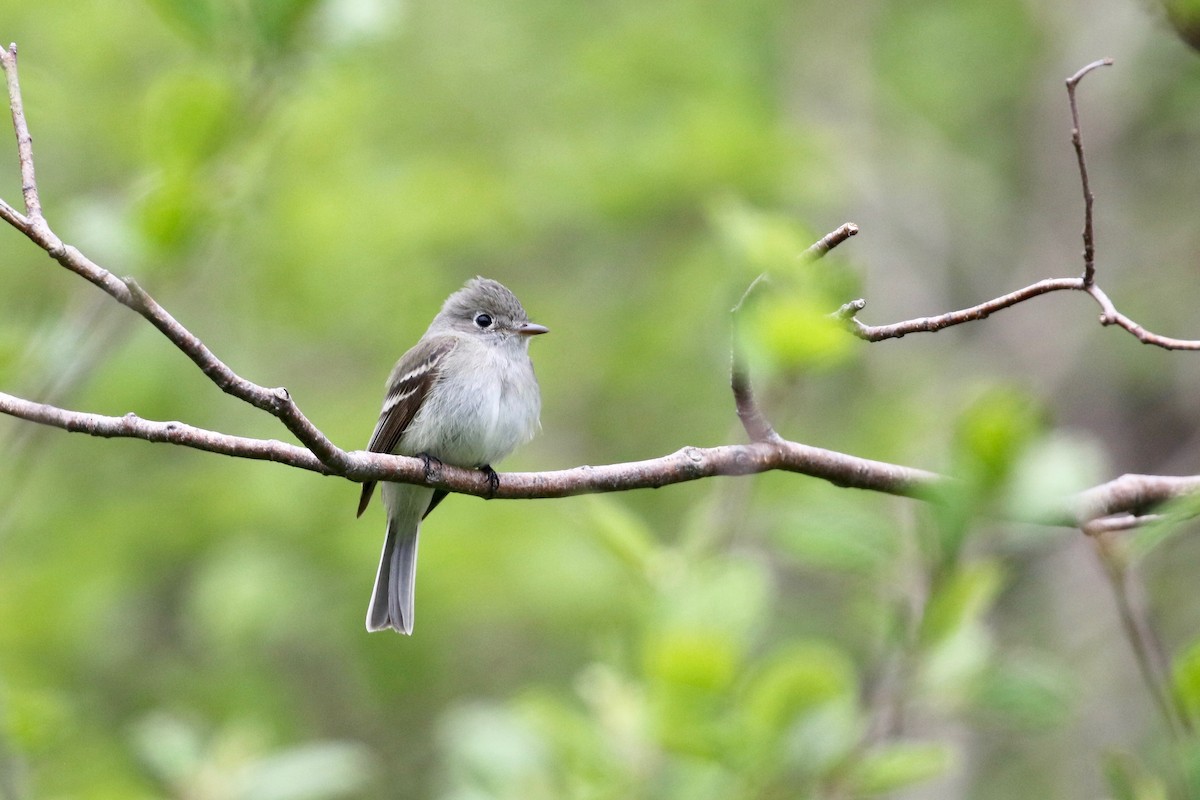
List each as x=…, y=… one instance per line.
x=302, y=183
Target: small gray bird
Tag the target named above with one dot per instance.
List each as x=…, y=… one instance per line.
x=464, y=395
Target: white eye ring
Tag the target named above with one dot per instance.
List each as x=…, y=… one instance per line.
x=483, y=320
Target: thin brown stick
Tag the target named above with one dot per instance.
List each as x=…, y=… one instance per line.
x=897, y=330
x=1119, y=523
x=1139, y=630
x=1109, y=315
x=29, y=190
x=829, y=241
x=754, y=421
x=1089, y=241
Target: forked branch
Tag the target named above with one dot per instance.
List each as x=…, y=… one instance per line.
x=1109, y=315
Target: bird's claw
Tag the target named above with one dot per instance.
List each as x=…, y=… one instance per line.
x=493, y=479
x=431, y=464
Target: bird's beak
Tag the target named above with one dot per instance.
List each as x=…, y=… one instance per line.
x=531, y=329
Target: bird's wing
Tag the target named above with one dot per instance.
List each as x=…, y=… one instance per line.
x=413, y=376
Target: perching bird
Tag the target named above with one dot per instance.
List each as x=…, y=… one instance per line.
x=464, y=395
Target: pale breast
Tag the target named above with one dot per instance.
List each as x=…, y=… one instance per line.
x=476, y=416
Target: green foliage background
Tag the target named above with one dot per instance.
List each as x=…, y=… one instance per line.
x=303, y=182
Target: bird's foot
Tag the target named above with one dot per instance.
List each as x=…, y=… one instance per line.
x=432, y=465
x=492, y=478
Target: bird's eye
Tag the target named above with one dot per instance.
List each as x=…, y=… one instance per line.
x=483, y=320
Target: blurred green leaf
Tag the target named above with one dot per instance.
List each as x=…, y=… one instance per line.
x=724, y=598
x=782, y=333
x=758, y=241
x=279, y=22
x=34, y=719
x=1186, y=678
x=785, y=323
x=898, y=766
x=171, y=215
x=990, y=436
x=795, y=679
x=171, y=748
x=1184, y=18
x=188, y=116
x=840, y=537
x=623, y=533
x=818, y=742
x=993, y=432
x=197, y=19
x=700, y=659
x=1024, y=693
x=310, y=772
x=490, y=749
x=1178, y=516
x=961, y=599
x=1052, y=469
x=1128, y=780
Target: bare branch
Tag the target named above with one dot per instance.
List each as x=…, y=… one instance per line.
x=1132, y=494
x=1119, y=523
x=132, y=426
x=1109, y=315
x=1112, y=505
x=1089, y=243
x=757, y=426
x=829, y=241
x=687, y=464
x=875, y=333
x=1152, y=662
x=33, y=205
x=127, y=292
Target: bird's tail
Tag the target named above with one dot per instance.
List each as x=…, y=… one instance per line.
x=392, y=598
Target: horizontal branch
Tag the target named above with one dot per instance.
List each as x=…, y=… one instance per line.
x=1109, y=315
x=1099, y=507
x=687, y=464
x=897, y=330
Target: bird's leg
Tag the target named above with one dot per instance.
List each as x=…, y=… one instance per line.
x=492, y=478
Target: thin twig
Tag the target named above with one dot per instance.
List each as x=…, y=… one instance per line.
x=1086, y=283
x=1109, y=315
x=29, y=190
x=876, y=333
x=1119, y=523
x=1089, y=242
x=829, y=241
x=754, y=421
x=1152, y=664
